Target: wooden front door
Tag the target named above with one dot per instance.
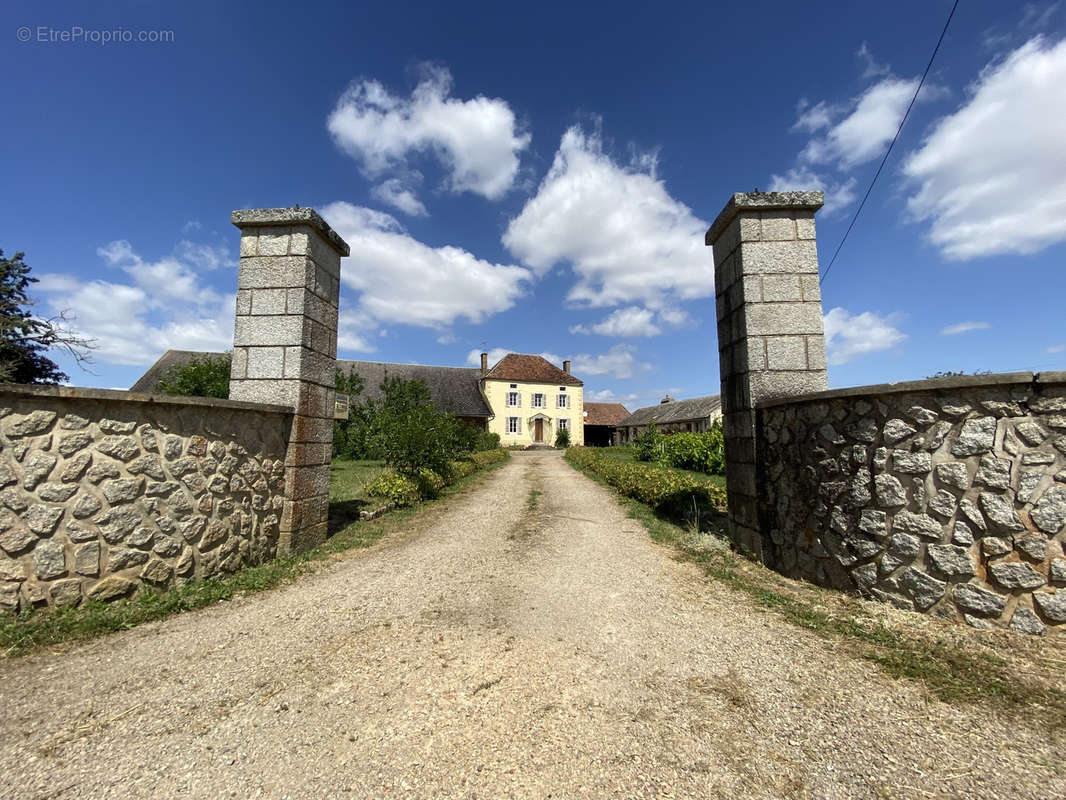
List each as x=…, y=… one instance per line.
x=538, y=431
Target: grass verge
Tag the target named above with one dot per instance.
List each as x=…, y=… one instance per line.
x=21, y=634
x=956, y=666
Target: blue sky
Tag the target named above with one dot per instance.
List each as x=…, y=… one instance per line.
x=539, y=179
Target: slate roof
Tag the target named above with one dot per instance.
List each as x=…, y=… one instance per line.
x=604, y=413
x=676, y=411
x=454, y=390
x=535, y=369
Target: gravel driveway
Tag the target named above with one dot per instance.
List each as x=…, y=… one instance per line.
x=496, y=650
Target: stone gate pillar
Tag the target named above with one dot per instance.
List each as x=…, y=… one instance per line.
x=770, y=338
x=285, y=349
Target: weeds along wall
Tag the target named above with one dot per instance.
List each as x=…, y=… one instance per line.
x=943, y=496
x=102, y=492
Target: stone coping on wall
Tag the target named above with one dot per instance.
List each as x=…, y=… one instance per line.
x=930, y=384
x=263, y=217
x=82, y=393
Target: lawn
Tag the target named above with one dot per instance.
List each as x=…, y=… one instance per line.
x=630, y=454
x=347, y=479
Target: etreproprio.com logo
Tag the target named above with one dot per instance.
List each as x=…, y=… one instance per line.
x=76, y=34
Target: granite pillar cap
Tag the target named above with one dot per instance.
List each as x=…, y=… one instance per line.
x=762, y=201
x=272, y=217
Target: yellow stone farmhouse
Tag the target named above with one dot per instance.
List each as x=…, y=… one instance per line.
x=531, y=399
x=524, y=398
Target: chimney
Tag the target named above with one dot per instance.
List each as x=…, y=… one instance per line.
x=484, y=364
x=566, y=367
x=665, y=400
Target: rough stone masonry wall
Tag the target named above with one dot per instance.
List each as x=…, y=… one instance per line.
x=102, y=492
x=938, y=496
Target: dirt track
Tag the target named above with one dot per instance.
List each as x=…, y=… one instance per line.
x=497, y=651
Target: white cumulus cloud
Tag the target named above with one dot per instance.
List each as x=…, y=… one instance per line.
x=608, y=396
x=394, y=193
x=963, y=327
x=867, y=129
x=626, y=322
x=992, y=176
x=634, y=321
x=626, y=239
x=477, y=141
x=620, y=362
x=848, y=336
x=165, y=305
x=848, y=134
x=400, y=279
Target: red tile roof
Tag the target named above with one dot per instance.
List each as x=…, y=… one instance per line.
x=605, y=413
x=522, y=367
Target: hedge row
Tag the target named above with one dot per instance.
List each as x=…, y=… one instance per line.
x=669, y=492
x=701, y=452
x=406, y=491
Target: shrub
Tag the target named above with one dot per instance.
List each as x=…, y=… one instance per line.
x=487, y=457
x=701, y=452
x=648, y=444
x=201, y=376
x=406, y=490
x=671, y=493
x=562, y=438
x=394, y=487
x=486, y=441
x=429, y=483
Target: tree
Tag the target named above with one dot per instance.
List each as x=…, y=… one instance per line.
x=562, y=438
x=352, y=436
x=412, y=435
x=24, y=338
x=201, y=376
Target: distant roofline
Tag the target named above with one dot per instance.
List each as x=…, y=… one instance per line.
x=403, y=364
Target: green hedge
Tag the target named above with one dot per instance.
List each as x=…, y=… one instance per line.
x=700, y=452
x=669, y=492
x=406, y=491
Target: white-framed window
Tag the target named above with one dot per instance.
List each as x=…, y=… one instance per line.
x=513, y=400
x=564, y=424
x=538, y=400
x=514, y=425
x=562, y=401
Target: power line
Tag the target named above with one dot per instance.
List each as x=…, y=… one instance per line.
x=893, y=143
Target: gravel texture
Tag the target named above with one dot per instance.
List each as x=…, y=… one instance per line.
x=492, y=651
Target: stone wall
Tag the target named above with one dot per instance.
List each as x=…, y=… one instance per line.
x=103, y=491
x=942, y=496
